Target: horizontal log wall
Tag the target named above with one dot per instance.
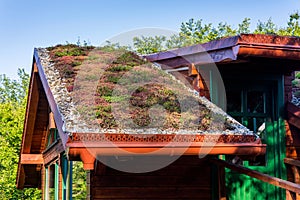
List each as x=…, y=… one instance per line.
x=187, y=178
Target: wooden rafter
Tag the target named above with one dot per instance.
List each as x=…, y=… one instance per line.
x=32, y=159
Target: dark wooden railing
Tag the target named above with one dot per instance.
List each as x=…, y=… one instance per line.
x=287, y=185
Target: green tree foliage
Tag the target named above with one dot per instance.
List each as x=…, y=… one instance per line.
x=244, y=27
x=266, y=27
x=79, y=181
x=12, y=112
x=147, y=45
x=196, y=31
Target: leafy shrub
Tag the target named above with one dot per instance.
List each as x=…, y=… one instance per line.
x=295, y=83
x=297, y=75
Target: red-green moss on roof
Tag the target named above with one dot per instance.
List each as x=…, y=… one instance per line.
x=116, y=89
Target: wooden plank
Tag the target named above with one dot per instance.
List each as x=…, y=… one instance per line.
x=260, y=176
x=31, y=113
x=296, y=179
x=139, y=148
x=293, y=110
x=51, y=121
x=32, y=159
x=200, y=180
x=293, y=151
x=295, y=121
x=292, y=162
x=192, y=70
x=152, y=193
x=52, y=152
x=176, y=181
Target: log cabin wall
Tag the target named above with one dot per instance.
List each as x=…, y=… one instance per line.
x=187, y=178
x=292, y=135
x=288, y=87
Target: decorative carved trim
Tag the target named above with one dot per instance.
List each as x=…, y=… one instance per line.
x=98, y=137
x=52, y=152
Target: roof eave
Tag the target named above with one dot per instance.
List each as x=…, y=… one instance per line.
x=87, y=146
x=231, y=49
x=87, y=152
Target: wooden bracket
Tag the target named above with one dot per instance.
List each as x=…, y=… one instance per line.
x=32, y=159
x=88, y=159
x=51, y=121
x=192, y=70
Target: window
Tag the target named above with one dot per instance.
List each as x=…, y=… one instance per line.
x=52, y=136
x=254, y=108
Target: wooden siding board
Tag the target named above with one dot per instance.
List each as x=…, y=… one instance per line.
x=186, y=178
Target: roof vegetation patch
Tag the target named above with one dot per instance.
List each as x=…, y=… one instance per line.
x=116, y=89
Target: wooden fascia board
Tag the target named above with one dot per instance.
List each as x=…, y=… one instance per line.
x=32, y=159
x=88, y=152
x=229, y=49
x=28, y=122
x=53, y=106
x=115, y=148
x=194, y=49
x=31, y=113
x=269, y=51
x=200, y=58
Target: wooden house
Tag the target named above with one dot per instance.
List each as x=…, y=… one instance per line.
x=252, y=72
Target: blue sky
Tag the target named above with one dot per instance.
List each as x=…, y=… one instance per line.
x=28, y=24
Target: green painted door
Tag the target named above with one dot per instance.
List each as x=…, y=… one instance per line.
x=258, y=105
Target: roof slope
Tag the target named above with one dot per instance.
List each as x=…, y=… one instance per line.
x=232, y=49
x=100, y=90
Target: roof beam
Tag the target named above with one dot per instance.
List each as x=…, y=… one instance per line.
x=32, y=159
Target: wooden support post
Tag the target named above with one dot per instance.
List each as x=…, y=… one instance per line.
x=294, y=164
x=88, y=185
x=296, y=179
x=222, y=186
